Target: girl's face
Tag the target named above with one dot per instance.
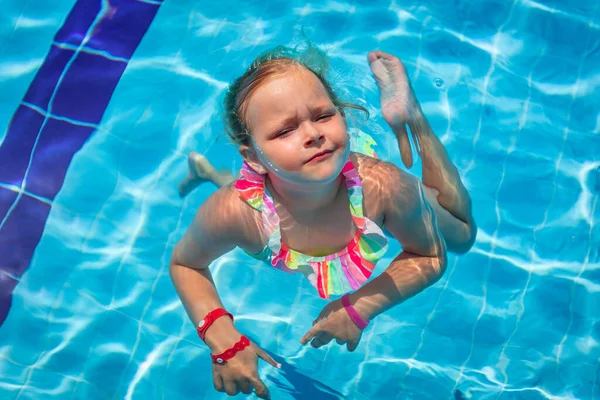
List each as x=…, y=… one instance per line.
x=298, y=129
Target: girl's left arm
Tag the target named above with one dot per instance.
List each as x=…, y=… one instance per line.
x=409, y=217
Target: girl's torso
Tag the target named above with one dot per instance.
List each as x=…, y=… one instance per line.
x=335, y=248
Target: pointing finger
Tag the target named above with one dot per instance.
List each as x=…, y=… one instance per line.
x=312, y=332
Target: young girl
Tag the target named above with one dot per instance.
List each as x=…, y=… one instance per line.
x=308, y=201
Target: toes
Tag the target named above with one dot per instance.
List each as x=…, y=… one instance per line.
x=380, y=55
x=387, y=56
x=192, y=156
x=373, y=55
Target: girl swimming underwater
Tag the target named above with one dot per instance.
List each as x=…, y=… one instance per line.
x=313, y=198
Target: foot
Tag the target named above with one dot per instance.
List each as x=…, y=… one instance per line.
x=399, y=105
x=198, y=172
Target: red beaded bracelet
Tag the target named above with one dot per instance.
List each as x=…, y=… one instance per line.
x=230, y=353
x=209, y=319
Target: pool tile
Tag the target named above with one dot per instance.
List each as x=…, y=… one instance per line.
x=525, y=200
x=78, y=22
x=71, y=338
x=122, y=27
x=413, y=384
x=58, y=142
x=18, y=145
x=506, y=277
x=7, y=284
x=45, y=384
x=87, y=88
x=46, y=79
x=13, y=377
x=118, y=364
x=88, y=183
x=584, y=113
x=444, y=348
x=20, y=328
x=186, y=353
x=21, y=233
x=567, y=36
x=7, y=199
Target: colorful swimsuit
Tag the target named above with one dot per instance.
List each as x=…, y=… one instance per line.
x=334, y=274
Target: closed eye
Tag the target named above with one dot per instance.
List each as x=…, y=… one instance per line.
x=324, y=117
x=283, y=133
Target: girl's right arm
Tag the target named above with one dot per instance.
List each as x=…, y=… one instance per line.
x=217, y=228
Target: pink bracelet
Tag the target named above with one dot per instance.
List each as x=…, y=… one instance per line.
x=354, y=315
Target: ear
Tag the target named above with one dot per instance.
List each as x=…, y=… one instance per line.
x=251, y=159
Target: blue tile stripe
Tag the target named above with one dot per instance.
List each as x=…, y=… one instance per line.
x=61, y=109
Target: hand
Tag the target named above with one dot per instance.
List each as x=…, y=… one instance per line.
x=333, y=322
x=240, y=374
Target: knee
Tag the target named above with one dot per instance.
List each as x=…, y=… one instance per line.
x=464, y=241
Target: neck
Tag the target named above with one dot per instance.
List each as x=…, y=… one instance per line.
x=305, y=198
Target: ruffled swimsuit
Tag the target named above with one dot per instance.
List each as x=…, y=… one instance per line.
x=334, y=274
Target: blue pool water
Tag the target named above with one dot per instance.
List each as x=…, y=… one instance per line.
x=512, y=89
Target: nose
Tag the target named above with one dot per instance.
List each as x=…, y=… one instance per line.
x=312, y=135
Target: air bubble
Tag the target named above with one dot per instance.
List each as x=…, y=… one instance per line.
x=438, y=83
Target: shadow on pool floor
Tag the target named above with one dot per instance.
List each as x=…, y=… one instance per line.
x=302, y=387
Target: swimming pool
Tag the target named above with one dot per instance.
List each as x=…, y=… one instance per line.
x=90, y=213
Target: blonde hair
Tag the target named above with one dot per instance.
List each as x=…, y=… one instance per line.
x=275, y=63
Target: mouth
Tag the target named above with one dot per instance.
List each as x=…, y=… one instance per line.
x=320, y=156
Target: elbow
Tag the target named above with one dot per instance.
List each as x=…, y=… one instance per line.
x=175, y=263
x=173, y=269
x=178, y=263
x=174, y=260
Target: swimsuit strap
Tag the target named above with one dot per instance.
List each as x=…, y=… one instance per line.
x=250, y=186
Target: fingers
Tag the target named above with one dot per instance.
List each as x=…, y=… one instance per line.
x=312, y=332
x=321, y=339
x=260, y=390
x=262, y=354
x=245, y=386
x=218, y=382
x=230, y=387
x=351, y=346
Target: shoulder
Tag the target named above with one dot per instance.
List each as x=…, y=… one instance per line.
x=221, y=223
x=226, y=213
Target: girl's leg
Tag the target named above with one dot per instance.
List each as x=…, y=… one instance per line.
x=443, y=186
x=201, y=170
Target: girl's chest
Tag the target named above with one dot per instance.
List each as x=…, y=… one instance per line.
x=325, y=232
x=322, y=234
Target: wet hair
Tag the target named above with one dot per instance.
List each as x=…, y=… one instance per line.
x=272, y=64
